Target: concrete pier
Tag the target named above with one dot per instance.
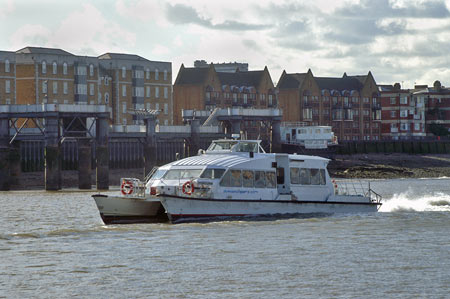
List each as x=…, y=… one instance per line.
x=276, y=137
x=4, y=153
x=84, y=163
x=102, y=154
x=4, y=169
x=52, y=154
x=149, y=144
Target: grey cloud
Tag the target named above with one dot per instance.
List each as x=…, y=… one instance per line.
x=251, y=44
x=384, y=9
x=183, y=14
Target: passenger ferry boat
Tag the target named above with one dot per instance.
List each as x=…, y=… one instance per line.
x=236, y=178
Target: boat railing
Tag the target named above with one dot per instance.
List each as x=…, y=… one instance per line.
x=356, y=187
x=151, y=172
x=132, y=187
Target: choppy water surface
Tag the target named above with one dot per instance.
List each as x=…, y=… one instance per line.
x=55, y=245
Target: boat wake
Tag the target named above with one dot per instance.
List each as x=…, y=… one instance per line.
x=409, y=202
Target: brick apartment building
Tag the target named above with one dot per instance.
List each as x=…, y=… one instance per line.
x=7, y=77
x=34, y=75
x=205, y=88
x=414, y=113
x=349, y=104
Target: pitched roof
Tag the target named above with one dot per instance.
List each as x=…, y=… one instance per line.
x=361, y=78
x=121, y=56
x=345, y=83
x=192, y=75
x=249, y=78
x=292, y=80
x=39, y=50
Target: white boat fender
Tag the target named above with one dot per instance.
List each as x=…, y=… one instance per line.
x=127, y=187
x=188, y=188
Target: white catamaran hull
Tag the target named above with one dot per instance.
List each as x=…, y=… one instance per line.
x=180, y=209
x=119, y=209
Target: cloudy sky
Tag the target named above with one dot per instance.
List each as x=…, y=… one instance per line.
x=397, y=40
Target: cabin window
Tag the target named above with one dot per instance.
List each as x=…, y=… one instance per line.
x=236, y=178
x=295, y=176
x=315, y=176
x=305, y=177
x=212, y=173
x=176, y=174
x=247, y=178
x=232, y=178
x=270, y=179
x=260, y=179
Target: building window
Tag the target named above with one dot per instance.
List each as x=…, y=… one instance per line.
x=147, y=91
x=65, y=68
x=166, y=122
x=91, y=70
x=165, y=75
x=44, y=87
x=44, y=67
x=55, y=87
x=124, y=90
x=55, y=68
x=65, y=88
x=106, y=81
x=7, y=86
x=124, y=72
x=270, y=100
x=404, y=127
x=124, y=107
x=366, y=100
x=7, y=66
x=147, y=74
x=166, y=108
x=157, y=106
x=106, y=98
x=403, y=113
x=166, y=92
x=148, y=106
x=404, y=100
x=157, y=92
x=156, y=74
x=417, y=126
x=393, y=101
x=99, y=98
x=91, y=89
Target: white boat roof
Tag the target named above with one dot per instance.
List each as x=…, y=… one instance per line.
x=236, y=158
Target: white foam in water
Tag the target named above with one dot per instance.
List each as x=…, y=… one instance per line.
x=407, y=202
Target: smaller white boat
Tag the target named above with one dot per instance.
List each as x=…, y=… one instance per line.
x=134, y=205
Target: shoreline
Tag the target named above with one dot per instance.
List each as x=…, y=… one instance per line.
x=357, y=166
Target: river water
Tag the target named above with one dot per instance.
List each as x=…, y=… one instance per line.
x=54, y=245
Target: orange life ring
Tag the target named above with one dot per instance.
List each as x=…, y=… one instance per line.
x=126, y=188
x=188, y=188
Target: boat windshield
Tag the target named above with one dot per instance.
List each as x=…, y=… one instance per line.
x=247, y=147
x=158, y=174
x=222, y=145
x=176, y=174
